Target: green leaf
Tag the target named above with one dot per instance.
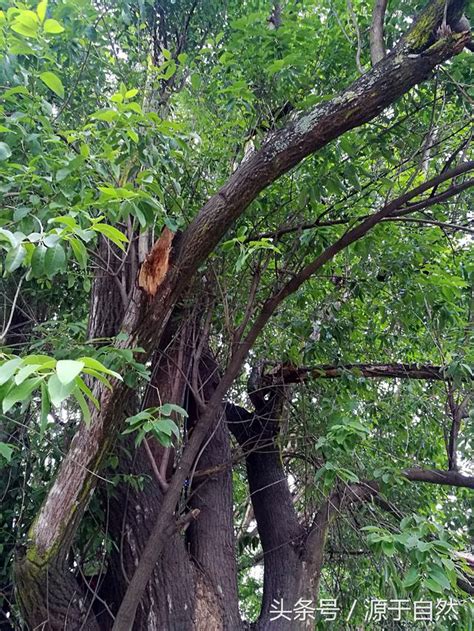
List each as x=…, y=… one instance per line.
x=9, y=368
x=412, y=578
x=164, y=439
x=133, y=107
x=6, y=235
x=53, y=26
x=195, y=81
x=45, y=405
x=105, y=115
x=19, y=89
x=99, y=376
x=19, y=393
x=45, y=361
x=423, y=546
x=433, y=586
x=6, y=451
x=388, y=548
x=54, y=260
x=53, y=82
x=62, y=174
x=80, y=252
x=14, y=258
x=168, y=427
x=138, y=418
x=51, y=239
x=86, y=414
x=41, y=9
x=24, y=26
x=111, y=233
x=168, y=408
x=68, y=221
x=87, y=391
x=21, y=48
x=58, y=391
x=68, y=369
x=5, y=151
x=437, y=574
x=37, y=260
x=25, y=372
x=91, y=362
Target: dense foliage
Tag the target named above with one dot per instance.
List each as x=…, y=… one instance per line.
x=114, y=124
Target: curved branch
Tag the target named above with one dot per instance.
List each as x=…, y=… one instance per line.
x=433, y=222
x=377, y=45
x=351, y=236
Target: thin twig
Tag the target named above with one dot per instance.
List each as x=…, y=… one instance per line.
x=12, y=311
x=161, y=481
x=353, y=17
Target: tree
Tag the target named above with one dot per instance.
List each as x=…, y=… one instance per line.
x=168, y=431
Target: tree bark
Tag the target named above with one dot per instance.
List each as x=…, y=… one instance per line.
x=435, y=476
x=169, y=601
x=194, y=584
x=211, y=540
x=280, y=532
x=285, y=374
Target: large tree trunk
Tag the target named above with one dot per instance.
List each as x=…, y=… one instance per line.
x=169, y=600
x=55, y=598
x=194, y=583
x=211, y=536
x=281, y=535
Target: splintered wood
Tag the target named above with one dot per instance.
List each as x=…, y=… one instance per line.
x=156, y=264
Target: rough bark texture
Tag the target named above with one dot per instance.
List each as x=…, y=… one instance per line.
x=194, y=583
x=169, y=600
x=435, y=476
x=280, y=532
x=211, y=536
x=106, y=309
x=54, y=598
x=295, y=374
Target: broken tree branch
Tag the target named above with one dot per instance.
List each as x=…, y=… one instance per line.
x=437, y=476
x=285, y=374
